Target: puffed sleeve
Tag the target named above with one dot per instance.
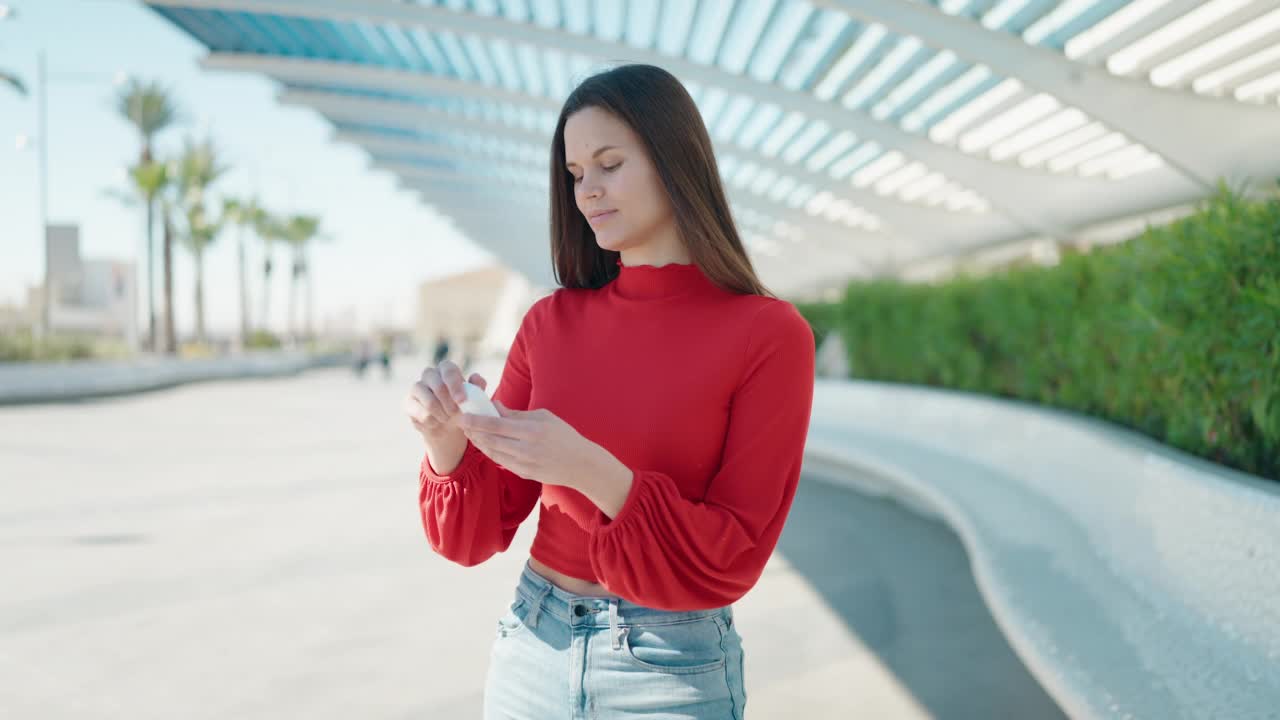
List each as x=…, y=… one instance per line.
x=665, y=551
x=474, y=511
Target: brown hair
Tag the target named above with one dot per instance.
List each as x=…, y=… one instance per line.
x=653, y=103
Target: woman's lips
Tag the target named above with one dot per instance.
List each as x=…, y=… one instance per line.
x=602, y=216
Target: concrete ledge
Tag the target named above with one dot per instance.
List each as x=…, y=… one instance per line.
x=1132, y=579
x=23, y=383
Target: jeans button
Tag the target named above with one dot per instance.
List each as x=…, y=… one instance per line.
x=580, y=610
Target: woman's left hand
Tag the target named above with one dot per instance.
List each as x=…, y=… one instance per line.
x=536, y=445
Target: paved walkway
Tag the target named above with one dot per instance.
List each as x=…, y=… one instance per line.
x=253, y=550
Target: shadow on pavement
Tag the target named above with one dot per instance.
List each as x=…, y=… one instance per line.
x=902, y=584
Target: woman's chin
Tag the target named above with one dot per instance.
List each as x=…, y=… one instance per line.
x=607, y=242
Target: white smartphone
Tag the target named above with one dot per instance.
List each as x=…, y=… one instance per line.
x=477, y=402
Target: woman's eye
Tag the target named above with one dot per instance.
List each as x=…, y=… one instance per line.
x=607, y=168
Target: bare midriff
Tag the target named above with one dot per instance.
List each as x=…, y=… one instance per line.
x=577, y=586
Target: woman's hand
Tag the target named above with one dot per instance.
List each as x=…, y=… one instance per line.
x=537, y=445
x=432, y=402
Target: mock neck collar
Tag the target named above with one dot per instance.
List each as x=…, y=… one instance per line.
x=652, y=282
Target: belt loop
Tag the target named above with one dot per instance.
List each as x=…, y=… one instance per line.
x=613, y=624
x=532, y=619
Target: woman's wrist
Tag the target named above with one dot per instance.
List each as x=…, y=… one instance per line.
x=608, y=484
x=445, y=451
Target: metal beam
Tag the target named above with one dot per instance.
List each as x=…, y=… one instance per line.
x=533, y=260
x=820, y=240
x=386, y=144
x=911, y=219
x=400, y=114
x=827, y=252
x=786, y=274
x=821, y=234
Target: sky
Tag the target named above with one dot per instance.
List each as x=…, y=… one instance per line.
x=382, y=241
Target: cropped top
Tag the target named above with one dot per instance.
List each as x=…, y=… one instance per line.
x=704, y=393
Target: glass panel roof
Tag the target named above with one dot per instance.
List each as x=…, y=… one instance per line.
x=846, y=115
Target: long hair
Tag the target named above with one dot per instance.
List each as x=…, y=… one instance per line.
x=653, y=103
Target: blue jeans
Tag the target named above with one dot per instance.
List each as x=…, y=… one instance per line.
x=560, y=656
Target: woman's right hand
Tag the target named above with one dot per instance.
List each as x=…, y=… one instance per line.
x=432, y=403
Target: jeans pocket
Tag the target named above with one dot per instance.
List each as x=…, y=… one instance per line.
x=512, y=621
x=683, y=648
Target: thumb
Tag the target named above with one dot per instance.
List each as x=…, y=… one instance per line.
x=503, y=410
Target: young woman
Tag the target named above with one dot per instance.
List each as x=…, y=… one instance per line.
x=657, y=404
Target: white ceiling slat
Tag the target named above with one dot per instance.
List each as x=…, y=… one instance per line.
x=850, y=61
x=642, y=22
x=1257, y=30
x=825, y=31
x=504, y=62
x=962, y=118
x=780, y=39
x=1182, y=30
x=529, y=61
x=577, y=16
x=1229, y=77
x=874, y=81
x=745, y=33
x=609, y=17
x=677, y=21
x=709, y=31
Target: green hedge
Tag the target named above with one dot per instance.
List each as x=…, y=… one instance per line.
x=23, y=346
x=1175, y=333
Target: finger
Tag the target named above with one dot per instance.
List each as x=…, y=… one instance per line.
x=452, y=377
x=512, y=450
x=497, y=427
x=420, y=394
x=478, y=380
x=442, y=398
x=414, y=409
x=495, y=452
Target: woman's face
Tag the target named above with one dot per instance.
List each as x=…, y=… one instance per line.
x=615, y=184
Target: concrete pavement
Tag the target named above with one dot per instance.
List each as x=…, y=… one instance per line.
x=252, y=549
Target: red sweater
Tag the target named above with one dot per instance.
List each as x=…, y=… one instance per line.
x=704, y=393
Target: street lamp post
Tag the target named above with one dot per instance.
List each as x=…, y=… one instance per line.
x=42, y=162
x=42, y=150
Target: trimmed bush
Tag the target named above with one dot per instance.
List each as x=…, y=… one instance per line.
x=1175, y=333
x=262, y=340
x=23, y=346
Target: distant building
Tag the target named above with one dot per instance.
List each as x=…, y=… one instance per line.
x=477, y=312
x=95, y=297
x=18, y=317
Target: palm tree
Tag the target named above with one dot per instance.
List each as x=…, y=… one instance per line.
x=150, y=109
x=243, y=215
x=148, y=183
x=269, y=230
x=169, y=208
x=299, y=232
x=200, y=232
x=198, y=169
